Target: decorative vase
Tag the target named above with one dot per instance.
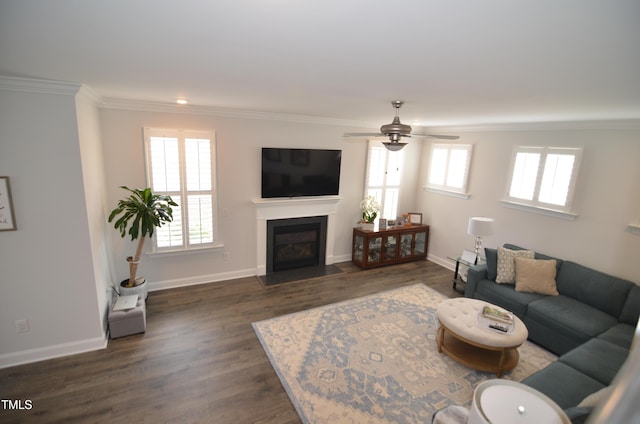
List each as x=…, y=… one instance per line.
x=368, y=226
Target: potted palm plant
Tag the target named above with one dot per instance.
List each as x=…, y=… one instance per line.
x=140, y=213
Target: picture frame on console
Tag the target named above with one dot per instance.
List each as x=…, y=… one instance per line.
x=415, y=218
x=469, y=256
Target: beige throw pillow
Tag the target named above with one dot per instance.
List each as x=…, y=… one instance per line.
x=506, y=265
x=595, y=399
x=536, y=276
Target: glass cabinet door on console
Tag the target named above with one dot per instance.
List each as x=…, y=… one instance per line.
x=375, y=250
x=358, y=248
x=406, y=245
x=389, y=246
x=420, y=243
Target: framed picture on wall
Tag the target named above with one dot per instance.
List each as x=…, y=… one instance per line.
x=7, y=220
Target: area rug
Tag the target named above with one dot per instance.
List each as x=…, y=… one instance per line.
x=374, y=360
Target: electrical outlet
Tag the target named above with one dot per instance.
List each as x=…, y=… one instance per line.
x=225, y=256
x=23, y=326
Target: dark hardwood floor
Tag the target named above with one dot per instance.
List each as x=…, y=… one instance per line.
x=199, y=360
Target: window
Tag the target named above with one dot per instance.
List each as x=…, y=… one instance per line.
x=544, y=177
x=383, y=177
x=449, y=167
x=181, y=164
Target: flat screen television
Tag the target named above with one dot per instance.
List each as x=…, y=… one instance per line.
x=300, y=172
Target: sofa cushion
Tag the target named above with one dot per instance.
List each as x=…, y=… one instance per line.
x=505, y=296
x=536, y=276
x=631, y=308
x=507, y=265
x=560, y=323
x=594, y=288
x=598, y=359
x=620, y=334
x=565, y=385
x=491, y=256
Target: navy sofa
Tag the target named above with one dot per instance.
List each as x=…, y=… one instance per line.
x=590, y=325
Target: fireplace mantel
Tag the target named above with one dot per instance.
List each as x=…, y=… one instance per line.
x=297, y=207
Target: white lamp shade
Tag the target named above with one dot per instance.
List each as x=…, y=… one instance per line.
x=480, y=226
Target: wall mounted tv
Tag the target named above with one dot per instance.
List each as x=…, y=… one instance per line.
x=300, y=172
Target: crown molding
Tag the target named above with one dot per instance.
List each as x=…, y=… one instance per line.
x=91, y=95
x=148, y=106
x=609, y=125
x=30, y=85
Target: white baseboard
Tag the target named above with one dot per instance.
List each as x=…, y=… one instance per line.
x=341, y=258
x=49, y=352
x=222, y=276
x=447, y=263
x=200, y=279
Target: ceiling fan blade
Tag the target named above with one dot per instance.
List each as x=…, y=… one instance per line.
x=363, y=135
x=396, y=130
x=442, y=137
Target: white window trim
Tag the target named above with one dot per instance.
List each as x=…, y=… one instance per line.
x=181, y=135
x=377, y=143
x=570, y=216
x=456, y=194
x=212, y=247
x=445, y=189
x=534, y=205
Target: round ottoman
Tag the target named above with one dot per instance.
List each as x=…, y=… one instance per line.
x=465, y=336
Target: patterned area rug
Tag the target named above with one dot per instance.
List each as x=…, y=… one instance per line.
x=374, y=360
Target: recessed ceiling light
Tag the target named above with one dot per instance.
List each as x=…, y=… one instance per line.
x=182, y=101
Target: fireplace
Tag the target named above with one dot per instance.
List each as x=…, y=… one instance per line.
x=277, y=209
x=296, y=243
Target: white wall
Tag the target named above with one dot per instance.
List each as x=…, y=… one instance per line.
x=94, y=182
x=606, y=200
x=47, y=271
x=239, y=171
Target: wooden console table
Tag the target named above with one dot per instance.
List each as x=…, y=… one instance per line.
x=391, y=246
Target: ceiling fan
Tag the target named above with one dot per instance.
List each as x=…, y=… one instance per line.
x=396, y=130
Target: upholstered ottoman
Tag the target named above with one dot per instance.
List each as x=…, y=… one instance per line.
x=128, y=321
x=464, y=336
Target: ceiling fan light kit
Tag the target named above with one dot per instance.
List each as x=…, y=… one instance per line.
x=396, y=129
x=394, y=146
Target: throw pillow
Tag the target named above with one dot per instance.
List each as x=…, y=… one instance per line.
x=595, y=399
x=536, y=276
x=506, y=272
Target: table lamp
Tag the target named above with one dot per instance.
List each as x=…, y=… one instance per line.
x=480, y=226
